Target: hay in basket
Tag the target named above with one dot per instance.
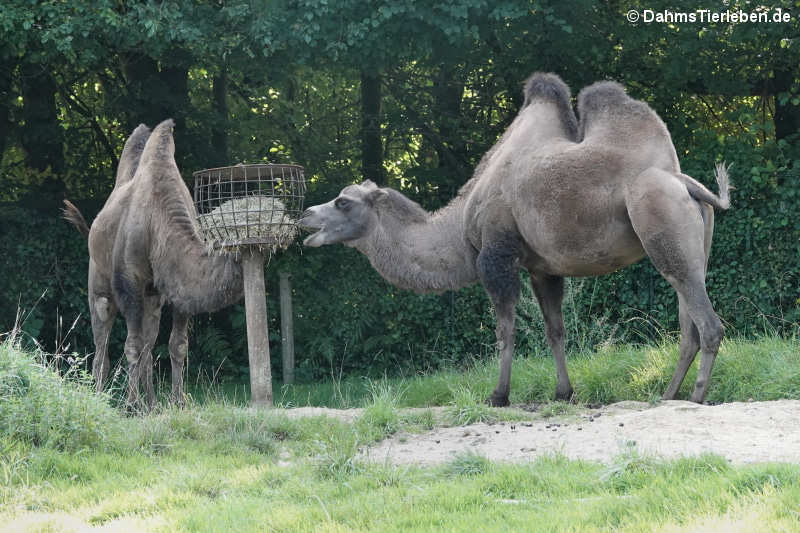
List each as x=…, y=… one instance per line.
x=254, y=219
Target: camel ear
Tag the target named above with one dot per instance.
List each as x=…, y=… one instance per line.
x=369, y=184
x=377, y=196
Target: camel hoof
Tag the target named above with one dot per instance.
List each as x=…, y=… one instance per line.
x=498, y=400
x=564, y=395
x=697, y=399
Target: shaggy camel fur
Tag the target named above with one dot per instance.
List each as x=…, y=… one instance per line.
x=145, y=250
x=557, y=199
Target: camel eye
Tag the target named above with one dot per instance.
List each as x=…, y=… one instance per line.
x=343, y=204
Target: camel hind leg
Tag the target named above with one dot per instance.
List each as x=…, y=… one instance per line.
x=672, y=229
x=102, y=311
x=690, y=336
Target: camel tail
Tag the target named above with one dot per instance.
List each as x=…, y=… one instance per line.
x=699, y=192
x=74, y=216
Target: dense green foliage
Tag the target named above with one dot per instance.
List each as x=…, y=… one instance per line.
x=407, y=93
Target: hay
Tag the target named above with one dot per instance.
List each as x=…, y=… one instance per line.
x=249, y=217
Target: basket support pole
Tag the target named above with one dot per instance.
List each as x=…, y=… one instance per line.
x=255, y=304
x=287, y=328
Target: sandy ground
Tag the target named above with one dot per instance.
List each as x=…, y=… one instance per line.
x=741, y=432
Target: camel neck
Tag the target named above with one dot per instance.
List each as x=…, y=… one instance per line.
x=424, y=256
x=193, y=279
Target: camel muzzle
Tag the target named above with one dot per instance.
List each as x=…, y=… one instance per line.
x=307, y=221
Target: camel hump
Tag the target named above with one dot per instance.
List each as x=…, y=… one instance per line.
x=546, y=86
x=606, y=104
x=132, y=153
x=601, y=96
x=160, y=146
x=549, y=87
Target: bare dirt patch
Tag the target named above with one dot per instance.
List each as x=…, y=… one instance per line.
x=748, y=432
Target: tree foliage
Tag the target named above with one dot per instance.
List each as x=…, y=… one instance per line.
x=413, y=93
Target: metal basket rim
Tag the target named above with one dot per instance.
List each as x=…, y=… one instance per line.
x=247, y=166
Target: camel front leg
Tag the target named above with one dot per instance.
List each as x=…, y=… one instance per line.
x=499, y=272
x=150, y=324
x=505, y=347
x=549, y=291
x=178, y=348
x=133, y=354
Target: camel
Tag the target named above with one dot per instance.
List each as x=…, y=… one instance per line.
x=145, y=250
x=556, y=198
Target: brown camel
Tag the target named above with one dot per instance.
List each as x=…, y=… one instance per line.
x=145, y=250
x=556, y=200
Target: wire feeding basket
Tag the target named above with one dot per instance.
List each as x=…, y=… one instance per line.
x=249, y=205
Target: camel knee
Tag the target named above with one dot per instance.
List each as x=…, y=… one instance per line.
x=554, y=333
x=178, y=348
x=133, y=350
x=711, y=336
x=506, y=328
x=102, y=307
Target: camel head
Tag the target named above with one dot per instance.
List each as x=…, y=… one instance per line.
x=346, y=218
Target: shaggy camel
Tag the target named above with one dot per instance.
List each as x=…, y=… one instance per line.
x=145, y=250
x=557, y=200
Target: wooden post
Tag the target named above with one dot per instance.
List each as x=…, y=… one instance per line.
x=287, y=328
x=255, y=304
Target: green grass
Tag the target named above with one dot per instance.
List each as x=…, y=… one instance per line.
x=197, y=487
x=37, y=408
x=217, y=466
x=763, y=369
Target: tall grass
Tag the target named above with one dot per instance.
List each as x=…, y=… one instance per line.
x=42, y=407
x=766, y=368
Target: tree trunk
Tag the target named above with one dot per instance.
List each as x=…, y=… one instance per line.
x=175, y=98
x=219, y=128
x=156, y=93
x=41, y=135
x=787, y=115
x=451, y=150
x=141, y=76
x=371, y=141
x=6, y=79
